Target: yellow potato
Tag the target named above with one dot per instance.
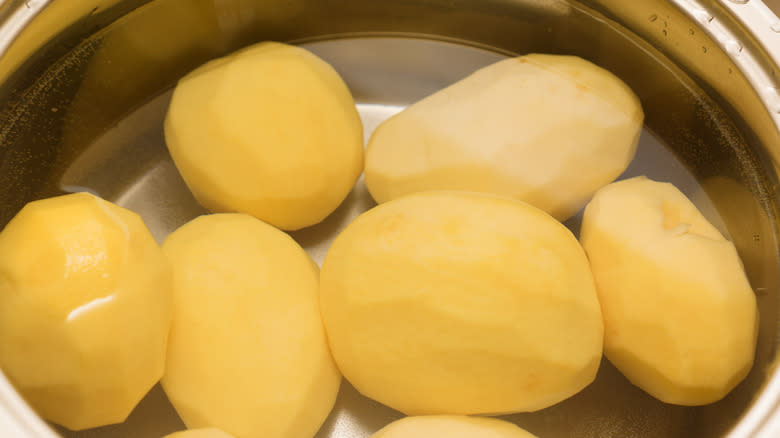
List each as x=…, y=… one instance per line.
x=680, y=317
x=85, y=309
x=271, y=131
x=461, y=303
x=451, y=426
x=547, y=130
x=247, y=351
x=199, y=433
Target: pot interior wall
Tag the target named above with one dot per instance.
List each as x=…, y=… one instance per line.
x=85, y=113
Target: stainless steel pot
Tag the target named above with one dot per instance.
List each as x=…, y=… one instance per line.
x=84, y=86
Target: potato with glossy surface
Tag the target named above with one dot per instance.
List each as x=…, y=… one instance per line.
x=680, y=316
x=247, y=351
x=451, y=426
x=544, y=129
x=271, y=131
x=461, y=303
x=199, y=433
x=85, y=309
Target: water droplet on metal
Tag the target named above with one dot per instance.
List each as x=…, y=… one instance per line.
x=773, y=98
x=702, y=15
x=703, y=49
x=733, y=47
x=653, y=17
x=776, y=27
x=739, y=2
x=665, y=32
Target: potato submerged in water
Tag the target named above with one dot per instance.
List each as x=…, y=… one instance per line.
x=247, y=351
x=680, y=317
x=461, y=303
x=544, y=129
x=199, y=433
x=451, y=426
x=85, y=309
x=271, y=131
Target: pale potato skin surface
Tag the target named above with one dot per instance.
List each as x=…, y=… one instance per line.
x=461, y=303
x=451, y=426
x=199, y=433
x=247, y=351
x=680, y=316
x=85, y=309
x=271, y=131
x=545, y=129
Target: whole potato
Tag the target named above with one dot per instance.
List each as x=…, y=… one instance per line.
x=85, y=309
x=271, y=131
x=199, y=433
x=451, y=426
x=544, y=129
x=461, y=303
x=247, y=351
x=680, y=317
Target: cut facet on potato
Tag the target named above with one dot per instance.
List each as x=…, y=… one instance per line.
x=461, y=303
x=451, y=426
x=547, y=130
x=247, y=351
x=680, y=317
x=85, y=309
x=199, y=433
x=271, y=131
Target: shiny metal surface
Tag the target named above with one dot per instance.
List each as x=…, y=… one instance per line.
x=384, y=74
x=84, y=94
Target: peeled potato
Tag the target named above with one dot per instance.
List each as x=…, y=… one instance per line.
x=199, y=433
x=85, y=309
x=271, y=131
x=451, y=426
x=547, y=130
x=680, y=317
x=247, y=351
x=461, y=303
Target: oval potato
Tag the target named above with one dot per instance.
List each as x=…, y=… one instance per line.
x=548, y=130
x=271, y=131
x=199, y=433
x=247, y=351
x=461, y=303
x=451, y=426
x=85, y=309
x=680, y=316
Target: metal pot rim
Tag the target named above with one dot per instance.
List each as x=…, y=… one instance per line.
x=761, y=25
